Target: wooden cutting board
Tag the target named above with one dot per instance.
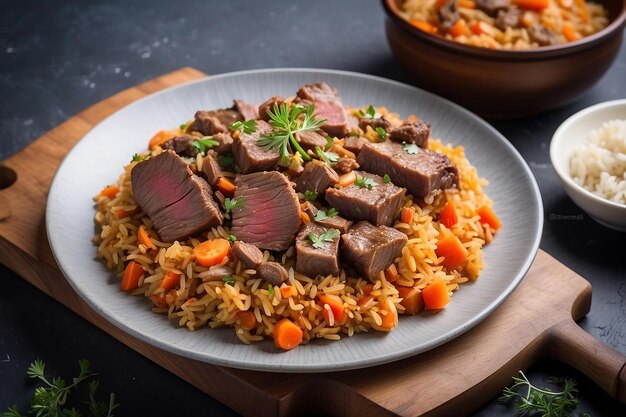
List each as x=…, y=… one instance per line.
x=456, y=378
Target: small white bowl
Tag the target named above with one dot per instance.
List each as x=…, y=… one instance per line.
x=572, y=132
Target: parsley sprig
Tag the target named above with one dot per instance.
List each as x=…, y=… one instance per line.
x=233, y=203
x=323, y=215
x=411, y=148
x=286, y=121
x=328, y=236
x=364, y=182
x=247, y=127
x=310, y=195
x=202, y=145
x=229, y=280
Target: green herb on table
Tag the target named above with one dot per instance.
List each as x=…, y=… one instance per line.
x=369, y=113
x=363, y=182
x=51, y=398
x=411, y=148
x=286, y=121
x=323, y=215
x=386, y=179
x=310, y=195
x=382, y=133
x=328, y=236
x=327, y=157
x=229, y=280
x=247, y=127
x=202, y=145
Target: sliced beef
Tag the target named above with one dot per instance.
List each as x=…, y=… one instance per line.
x=247, y=254
x=354, y=144
x=211, y=170
x=420, y=173
x=417, y=133
x=270, y=216
x=379, y=205
x=448, y=14
x=345, y=165
x=327, y=106
x=269, y=105
x=181, y=145
x=179, y=203
x=508, y=18
x=381, y=122
x=317, y=176
x=372, y=249
x=491, y=7
x=542, y=35
x=332, y=222
x=246, y=110
x=311, y=261
x=225, y=143
x=309, y=140
x=249, y=156
x=214, y=121
x=273, y=272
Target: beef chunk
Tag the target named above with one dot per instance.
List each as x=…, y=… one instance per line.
x=309, y=140
x=416, y=133
x=374, y=123
x=448, y=14
x=211, y=170
x=327, y=106
x=214, y=121
x=269, y=105
x=312, y=261
x=179, y=203
x=491, y=7
x=317, y=176
x=273, y=272
x=247, y=111
x=420, y=173
x=249, y=156
x=542, y=35
x=247, y=254
x=181, y=145
x=372, y=249
x=379, y=205
x=345, y=165
x=270, y=216
x=354, y=144
x=332, y=222
x=508, y=18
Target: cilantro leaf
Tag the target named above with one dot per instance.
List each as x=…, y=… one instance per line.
x=386, y=179
x=382, y=133
x=322, y=215
x=328, y=236
x=202, y=145
x=247, y=127
x=411, y=148
x=370, y=113
x=228, y=279
x=363, y=182
x=310, y=195
x=233, y=203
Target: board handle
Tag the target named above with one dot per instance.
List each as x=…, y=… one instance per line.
x=569, y=343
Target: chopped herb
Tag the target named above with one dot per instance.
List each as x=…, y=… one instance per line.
x=310, y=195
x=328, y=236
x=202, y=145
x=382, y=133
x=270, y=290
x=247, y=127
x=228, y=279
x=183, y=126
x=322, y=215
x=327, y=157
x=386, y=179
x=370, y=113
x=286, y=122
x=232, y=238
x=233, y=203
x=363, y=182
x=358, y=210
x=411, y=148
x=137, y=157
x=226, y=161
x=329, y=143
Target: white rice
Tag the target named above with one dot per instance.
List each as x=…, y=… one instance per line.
x=599, y=164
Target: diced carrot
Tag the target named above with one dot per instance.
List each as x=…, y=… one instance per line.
x=412, y=300
x=389, y=314
x=110, y=191
x=391, y=273
x=537, y=5
x=467, y=4
x=287, y=335
x=364, y=299
x=144, y=238
x=448, y=215
x=211, y=252
x=336, y=305
x=159, y=300
x=424, y=26
x=367, y=289
x=132, y=274
x=436, y=295
x=246, y=320
x=305, y=217
x=487, y=216
x=459, y=29
x=288, y=291
x=450, y=247
x=346, y=179
x=406, y=215
x=226, y=187
x=160, y=137
x=482, y=27
x=170, y=280
x=569, y=32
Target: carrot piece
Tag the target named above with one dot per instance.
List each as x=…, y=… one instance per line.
x=144, y=238
x=537, y=5
x=406, y=215
x=364, y=299
x=423, y=26
x=436, y=295
x=305, y=217
x=459, y=29
x=389, y=314
x=346, y=179
x=391, y=273
x=132, y=274
x=412, y=300
x=367, y=289
x=110, y=191
x=487, y=216
x=482, y=27
x=448, y=215
x=211, y=252
x=170, y=280
x=336, y=306
x=226, y=187
x=288, y=291
x=287, y=335
x=246, y=320
x=569, y=32
x=159, y=300
x=450, y=247
x=160, y=137
x=467, y=4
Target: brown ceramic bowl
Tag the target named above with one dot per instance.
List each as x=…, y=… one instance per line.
x=504, y=83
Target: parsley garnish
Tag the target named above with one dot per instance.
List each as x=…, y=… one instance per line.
x=322, y=215
x=226, y=161
x=411, y=148
x=370, y=113
x=247, y=127
x=232, y=238
x=137, y=157
x=202, y=145
x=310, y=195
x=232, y=203
x=286, y=122
x=328, y=236
x=183, y=126
x=363, y=182
x=327, y=157
x=382, y=133
x=270, y=290
x=228, y=279
x=358, y=210
x=386, y=179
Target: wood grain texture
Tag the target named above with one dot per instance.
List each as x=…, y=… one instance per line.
x=536, y=321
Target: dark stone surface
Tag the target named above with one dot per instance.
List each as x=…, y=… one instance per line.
x=57, y=58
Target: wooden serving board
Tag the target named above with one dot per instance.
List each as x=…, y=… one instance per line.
x=456, y=378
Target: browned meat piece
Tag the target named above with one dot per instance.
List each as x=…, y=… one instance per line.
x=225, y=143
x=214, y=121
x=420, y=173
x=345, y=165
x=374, y=123
x=491, y=7
x=179, y=203
x=309, y=140
x=211, y=170
x=327, y=106
x=269, y=105
x=249, y=156
x=270, y=216
x=379, y=204
x=542, y=35
x=372, y=249
x=332, y=222
x=181, y=145
x=247, y=254
x=416, y=133
x=448, y=14
x=273, y=272
x=247, y=111
x=312, y=261
x=354, y=144
x=317, y=176
x=508, y=18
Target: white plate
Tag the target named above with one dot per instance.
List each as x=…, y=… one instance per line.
x=97, y=160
